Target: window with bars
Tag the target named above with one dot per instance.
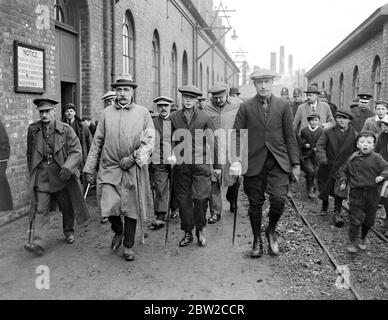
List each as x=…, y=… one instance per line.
x=65, y=12
x=342, y=91
x=185, y=69
x=376, y=78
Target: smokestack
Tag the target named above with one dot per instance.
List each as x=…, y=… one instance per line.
x=281, y=71
x=273, y=61
x=290, y=65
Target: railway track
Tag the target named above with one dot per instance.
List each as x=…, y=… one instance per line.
x=326, y=250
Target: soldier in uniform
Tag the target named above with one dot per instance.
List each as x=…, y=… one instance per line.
x=273, y=156
x=121, y=147
x=284, y=94
x=160, y=168
x=192, y=174
x=222, y=111
x=361, y=111
x=54, y=154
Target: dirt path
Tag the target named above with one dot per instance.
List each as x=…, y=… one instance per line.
x=88, y=270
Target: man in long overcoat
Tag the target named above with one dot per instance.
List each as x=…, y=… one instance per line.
x=5, y=190
x=273, y=155
x=334, y=148
x=121, y=147
x=53, y=157
x=222, y=111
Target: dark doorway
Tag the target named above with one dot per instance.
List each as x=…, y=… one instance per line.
x=69, y=94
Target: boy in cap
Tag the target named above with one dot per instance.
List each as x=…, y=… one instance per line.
x=382, y=148
x=334, y=148
x=192, y=173
x=160, y=168
x=362, y=173
x=373, y=124
x=309, y=137
x=54, y=155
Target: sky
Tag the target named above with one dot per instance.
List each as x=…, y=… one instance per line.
x=308, y=29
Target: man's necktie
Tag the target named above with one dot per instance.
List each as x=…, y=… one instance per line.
x=265, y=108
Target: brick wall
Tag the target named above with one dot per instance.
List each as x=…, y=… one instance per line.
x=362, y=57
x=18, y=21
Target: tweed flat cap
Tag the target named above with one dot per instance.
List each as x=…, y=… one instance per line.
x=383, y=102
x=313, y=116
x=344, y=113
x=366, y=133
x=190, y=90
x=69, y=106
x=219, y=90
x=163, y=100
x=263, y=74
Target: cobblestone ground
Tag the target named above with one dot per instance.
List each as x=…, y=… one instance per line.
x=89, y=270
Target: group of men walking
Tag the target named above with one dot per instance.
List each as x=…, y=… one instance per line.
x=175, y=160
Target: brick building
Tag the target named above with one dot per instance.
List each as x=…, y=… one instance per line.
x=359, y=64
x=164, y=44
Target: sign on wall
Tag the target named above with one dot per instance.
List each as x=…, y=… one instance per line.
x=29, y=68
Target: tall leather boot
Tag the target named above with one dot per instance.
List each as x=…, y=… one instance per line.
x=325, y=207
x=274, y=216
x=257, y=247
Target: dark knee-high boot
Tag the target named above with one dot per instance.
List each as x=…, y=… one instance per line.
x=275, y=213
x=255, y=218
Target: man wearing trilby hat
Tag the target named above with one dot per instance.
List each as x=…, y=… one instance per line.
x=313, y=105
x=273, y=156
x=122, y=145
x=53, y=156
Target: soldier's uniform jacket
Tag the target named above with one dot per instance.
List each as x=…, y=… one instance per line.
x=66, y=152
x=359, y=117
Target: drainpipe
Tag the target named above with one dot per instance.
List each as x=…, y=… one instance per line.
x=113, y=72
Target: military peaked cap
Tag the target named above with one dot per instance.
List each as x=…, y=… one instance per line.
x=50, y=103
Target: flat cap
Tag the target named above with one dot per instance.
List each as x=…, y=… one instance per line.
x=297, y=91
x=263, y=74
x=365, y=96
x=313, y=116
x=69, y=106
x=383, y=102
x=219, y=90
x=109, y=95
x=354, y=103
x=366, y=133
x=162, y=100
x=234, y=90
x=190, y=90
x=284, y=91
x=49, y=103
x=124, y=81
x=312, y=89
x=344, y=113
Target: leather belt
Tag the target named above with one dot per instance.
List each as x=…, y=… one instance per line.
x=49, y=159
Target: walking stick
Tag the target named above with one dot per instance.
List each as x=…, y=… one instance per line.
x=169, y=208
x=87, y=190
x=30, y=232
x=235, y=214
x=139, y=204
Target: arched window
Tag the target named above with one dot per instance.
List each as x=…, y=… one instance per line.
x=174, y=74
x=331, y=88
x=356, y=83
x=323, y=85
x=128, y=35
x=156, y=64
x=185, y=69
x=65, y=12
x=200, y=77
x=376, y=78
x=341, y=91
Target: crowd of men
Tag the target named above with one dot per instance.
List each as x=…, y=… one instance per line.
x=181, y=160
